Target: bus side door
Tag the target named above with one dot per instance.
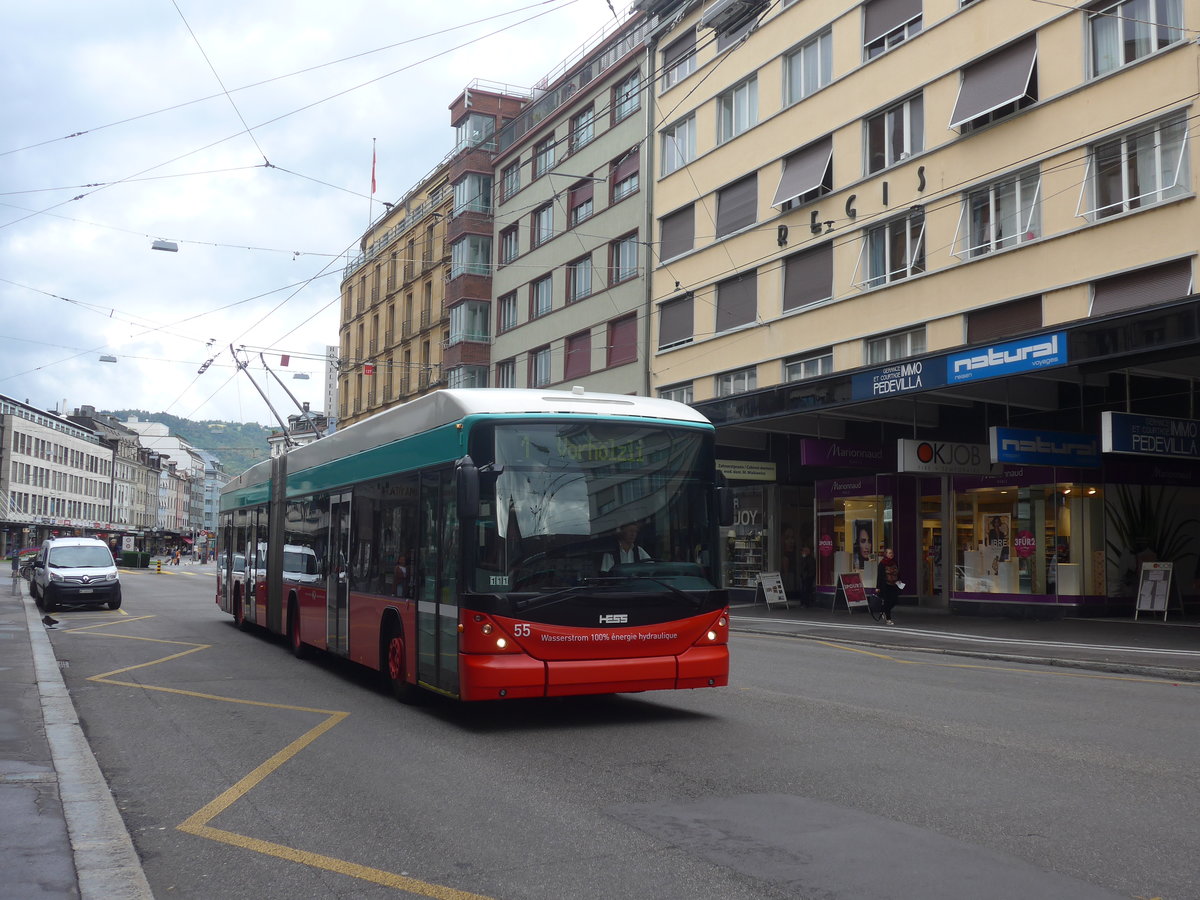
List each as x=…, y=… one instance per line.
x=337, y=584
x=437, y=585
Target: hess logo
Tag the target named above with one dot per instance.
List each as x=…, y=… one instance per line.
x=614, y=619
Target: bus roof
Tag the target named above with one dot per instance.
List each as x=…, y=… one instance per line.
x=450, y=405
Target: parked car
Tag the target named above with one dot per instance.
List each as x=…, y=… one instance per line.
x=75, y=571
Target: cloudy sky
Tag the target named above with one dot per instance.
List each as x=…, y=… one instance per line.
x=125, y=122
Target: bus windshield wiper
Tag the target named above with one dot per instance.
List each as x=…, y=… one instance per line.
x=539, y=600
x=695, y=601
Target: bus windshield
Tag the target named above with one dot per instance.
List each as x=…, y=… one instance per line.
x=597, y=505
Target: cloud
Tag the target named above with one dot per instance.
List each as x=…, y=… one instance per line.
x=258, y=252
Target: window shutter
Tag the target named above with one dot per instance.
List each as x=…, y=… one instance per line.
x=1004, y=320
x=737, y=301
x=881, y=16
x=627, y=166
x=677, y=232
x=995, y=81
x=737, y=205
x=675, y=321
x=808, y=277
x=1143, y=287
x=804, y=170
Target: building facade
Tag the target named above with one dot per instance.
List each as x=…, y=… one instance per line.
x=570, y=225
x=56, y=477
x=929, y=266
x=394, y=321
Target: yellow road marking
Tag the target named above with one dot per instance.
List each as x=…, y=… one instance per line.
x=198, y=823
x=887, y=657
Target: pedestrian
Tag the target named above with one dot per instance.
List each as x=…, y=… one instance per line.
x=806, y=573
x=888, y=584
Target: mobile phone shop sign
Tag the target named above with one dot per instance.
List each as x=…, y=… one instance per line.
x=1149, y=435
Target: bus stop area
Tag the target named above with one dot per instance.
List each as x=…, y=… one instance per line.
x=61, y=834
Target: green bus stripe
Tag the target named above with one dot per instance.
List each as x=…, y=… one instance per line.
x=441, y=445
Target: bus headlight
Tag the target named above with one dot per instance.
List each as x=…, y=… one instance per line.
x=712, y=635
x=501, y=643
x=486, y=628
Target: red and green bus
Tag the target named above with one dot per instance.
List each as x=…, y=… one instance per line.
x=469, y=543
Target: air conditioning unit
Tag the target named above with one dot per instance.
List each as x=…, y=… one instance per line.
x=725, y=15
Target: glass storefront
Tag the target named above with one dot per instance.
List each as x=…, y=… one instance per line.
x=1038, y=539
x=854, y=524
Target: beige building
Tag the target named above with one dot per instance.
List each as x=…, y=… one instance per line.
x=904, y=221
x=394, y=320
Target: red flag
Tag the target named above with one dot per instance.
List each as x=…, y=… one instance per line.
x=368, y=368
x=284, y=360
x=372, y=167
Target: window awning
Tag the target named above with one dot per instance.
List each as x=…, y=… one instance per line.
x=995, y=81
x=882, y=16
x=804, y=171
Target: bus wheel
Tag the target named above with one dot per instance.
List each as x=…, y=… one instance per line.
x=300, y=650
x=393, y=668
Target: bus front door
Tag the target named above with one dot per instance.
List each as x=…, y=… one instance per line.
x=337, y=586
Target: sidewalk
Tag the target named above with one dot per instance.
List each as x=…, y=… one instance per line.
x=60, y=832
x=1147, y=647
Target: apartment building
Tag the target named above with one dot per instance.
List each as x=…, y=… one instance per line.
x=394, y=318
x=570, y=232
x=56, y=477
x=928, y=265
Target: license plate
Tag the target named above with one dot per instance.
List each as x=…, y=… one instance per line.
x=85, y=590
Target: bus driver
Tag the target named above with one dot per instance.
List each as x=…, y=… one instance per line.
x=627, y=550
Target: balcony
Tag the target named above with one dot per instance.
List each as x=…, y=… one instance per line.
x=476, y=159
x=388, y=338
x=405, y=385
x=473, y=351
x=373, y=347
x=406, y=329
x=426, y=319
x=468, y=287
x=469, y=223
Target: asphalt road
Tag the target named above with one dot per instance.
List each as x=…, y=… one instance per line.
x=823, y=771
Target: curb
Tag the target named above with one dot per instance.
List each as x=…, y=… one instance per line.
x=106, y=863
x=1126, y=669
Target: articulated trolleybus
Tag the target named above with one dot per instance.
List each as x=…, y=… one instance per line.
x=492, y=543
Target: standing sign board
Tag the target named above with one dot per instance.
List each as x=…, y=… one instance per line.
x=1154, y=588
x=851, y=587
x=770, y=588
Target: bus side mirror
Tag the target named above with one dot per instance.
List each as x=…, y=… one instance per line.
x=468, y=488
x=724, y=502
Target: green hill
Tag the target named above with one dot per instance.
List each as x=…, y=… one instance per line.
x=238, y=445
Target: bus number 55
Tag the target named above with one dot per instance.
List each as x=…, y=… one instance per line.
x=521, y=629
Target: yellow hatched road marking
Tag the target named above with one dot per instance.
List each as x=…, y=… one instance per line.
x=198, y=823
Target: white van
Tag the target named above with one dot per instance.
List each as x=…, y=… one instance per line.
x=75, y=571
